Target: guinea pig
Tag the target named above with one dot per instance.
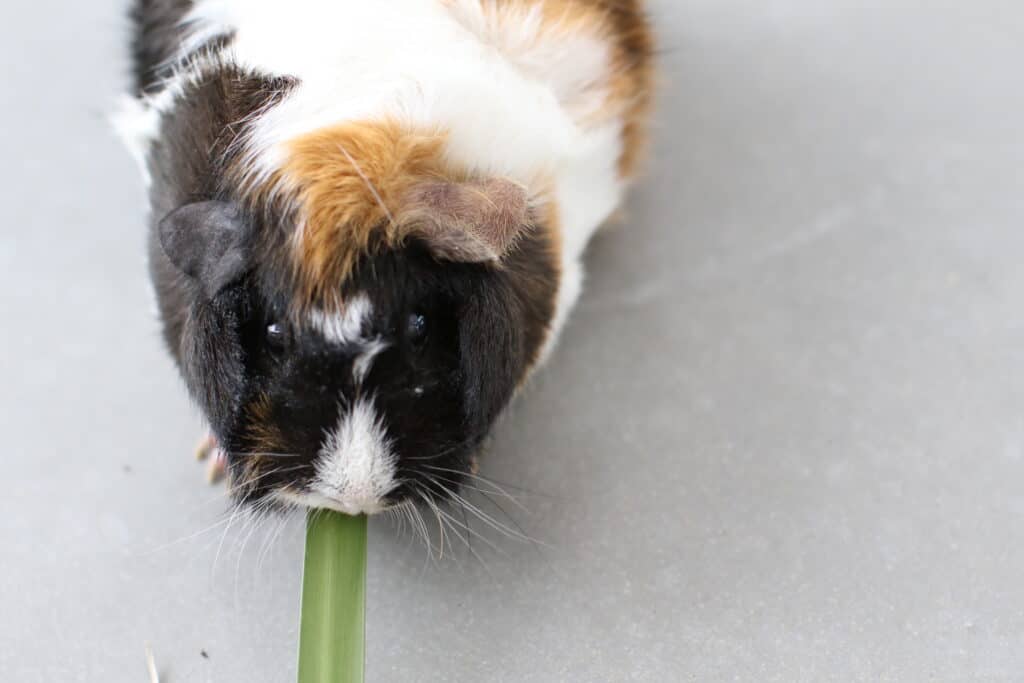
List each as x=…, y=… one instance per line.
x=367, y=220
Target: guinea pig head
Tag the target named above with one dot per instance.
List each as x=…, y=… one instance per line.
x=374, y=379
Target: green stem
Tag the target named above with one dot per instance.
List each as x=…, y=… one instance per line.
x=331, y=637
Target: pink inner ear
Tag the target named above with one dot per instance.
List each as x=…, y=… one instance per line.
x=469, y=221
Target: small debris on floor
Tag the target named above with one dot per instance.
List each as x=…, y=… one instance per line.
x=127, y=469
x=204, y=654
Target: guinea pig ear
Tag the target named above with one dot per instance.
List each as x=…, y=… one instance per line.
x=469, y=222
x=208, y=242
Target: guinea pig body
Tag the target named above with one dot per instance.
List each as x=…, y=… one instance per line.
x=367, y=219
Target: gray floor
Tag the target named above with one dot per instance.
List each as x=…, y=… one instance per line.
x=783, y=437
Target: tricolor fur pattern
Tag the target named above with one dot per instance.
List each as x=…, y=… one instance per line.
x=368, y=218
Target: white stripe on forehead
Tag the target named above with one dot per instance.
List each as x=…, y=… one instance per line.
x=345, y=327
x=350, y=327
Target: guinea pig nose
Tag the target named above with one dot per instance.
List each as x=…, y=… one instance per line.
x=357, y=467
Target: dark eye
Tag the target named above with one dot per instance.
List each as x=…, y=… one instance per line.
x=416, y=329
x=277, y=336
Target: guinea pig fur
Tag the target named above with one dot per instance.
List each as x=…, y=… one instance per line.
x=367, y=219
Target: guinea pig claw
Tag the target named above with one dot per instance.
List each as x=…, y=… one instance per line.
x=218, y=466
x=206, y=446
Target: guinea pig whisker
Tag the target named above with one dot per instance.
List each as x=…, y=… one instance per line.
x=440, y=524
x=391, y=514
x=470, y=531
x=453, y=526
x=254, y=517
x=250, y=483
x=498, y=490
x=235, y=509
x=258, y=515
x=401, y=514
x=435, y=456
x=425, y=534
x=411, y=512
x=488, y=519
x=270, y=540
x=444, y=452
x=522, y=535
x=189, y=537
x=489, y=480
x=426, y=499
x=445, y=520
x=407, y=513
x=465, y=523
x=484, y=492
x=467, y=536
x=512, y=519
x=494, y=488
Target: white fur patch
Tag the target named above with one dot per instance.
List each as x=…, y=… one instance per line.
x=573, y=63
x=569, y=289
x=137, y=124
x=347, y=326
x=364, y=361
x=357, y=467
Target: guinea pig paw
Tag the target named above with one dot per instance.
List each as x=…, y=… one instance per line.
x=218, y=466
x=206, y=445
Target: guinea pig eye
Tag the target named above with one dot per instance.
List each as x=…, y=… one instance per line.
x=276, y=336
x=416, y=329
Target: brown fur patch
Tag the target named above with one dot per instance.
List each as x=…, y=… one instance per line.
x=633, y=81
x=262, y=439
x=350, y=183
x=360, y=186
x=623, y=23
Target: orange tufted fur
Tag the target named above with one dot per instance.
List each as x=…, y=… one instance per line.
x=350, y=180
x=361, y=185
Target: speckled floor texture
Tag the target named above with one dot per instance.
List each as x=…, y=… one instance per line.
x=782, y=438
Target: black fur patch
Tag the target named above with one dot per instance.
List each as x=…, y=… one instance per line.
x=211, y=357
x=192, y=161
x=156, y=37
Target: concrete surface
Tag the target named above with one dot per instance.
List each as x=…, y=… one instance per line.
x=783, y=437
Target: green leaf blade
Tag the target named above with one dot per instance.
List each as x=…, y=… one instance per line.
x=332, y=632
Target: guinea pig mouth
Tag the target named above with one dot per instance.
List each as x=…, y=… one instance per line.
x=344, y=504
